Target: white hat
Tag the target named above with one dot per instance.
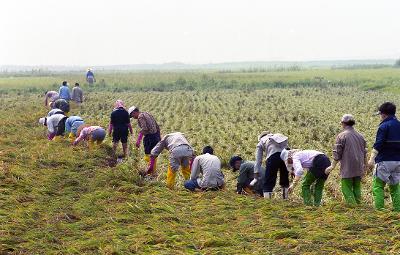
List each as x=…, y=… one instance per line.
x=131, y=109
x=285, y=155
x=263, y=133
x=42, y=121
x=347, y=117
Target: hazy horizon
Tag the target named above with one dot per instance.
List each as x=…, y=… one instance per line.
x=104, y=33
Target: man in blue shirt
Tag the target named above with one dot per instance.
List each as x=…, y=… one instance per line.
x=385, y=157
x=64, y=91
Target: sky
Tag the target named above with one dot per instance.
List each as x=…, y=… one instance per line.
x=117, y=32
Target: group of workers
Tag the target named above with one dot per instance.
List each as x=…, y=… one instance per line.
x=203, y=172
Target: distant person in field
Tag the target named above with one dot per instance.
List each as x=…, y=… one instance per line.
x=120, y=125
x=351, y=151
x=245, y=181
x=316, y=162
x=272, y=145
x=180, y=155
x=64, y=92
x=149, y=132
x=206, y=172
x=63, y=105
x=90, y=77
x=94, y=135
x=385, y=157
x=77, y=94
x=71, y=126
x=55, y=125
x=50, y=97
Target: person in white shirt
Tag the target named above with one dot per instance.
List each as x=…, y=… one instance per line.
x=316, y=162
x=206, y=172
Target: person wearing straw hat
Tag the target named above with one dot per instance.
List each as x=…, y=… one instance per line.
x=245, y=180
x=316, y=162
x=94, y=135
x=351, y=151
x=119, y=126
x=90, y=77
x=180, y=155
x=149, y=132
x=385, y=157
x=55, y=125
x=272, y=145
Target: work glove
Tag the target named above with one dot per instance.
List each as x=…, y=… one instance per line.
x=150, y=169
x=328, y=170
x=139, y=140
x=51, y=136
x=371, y=161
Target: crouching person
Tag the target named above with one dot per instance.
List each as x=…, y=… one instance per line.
x=248, y=181
x=316, y=162
x=93, y=134
x=62, y=104
x=71, y=126
x=180, y=154
x=55, y=125
x=206, y=172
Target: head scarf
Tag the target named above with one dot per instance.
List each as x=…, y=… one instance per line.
x=119, y=104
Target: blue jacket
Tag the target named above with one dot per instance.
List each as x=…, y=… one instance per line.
x=64, y=93
x=387, y=141
x=72, y=124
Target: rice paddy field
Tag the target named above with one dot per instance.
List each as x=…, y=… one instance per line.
x=59, y=199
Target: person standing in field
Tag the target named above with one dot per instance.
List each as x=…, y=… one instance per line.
x=180, y=155
x=351, y=151
x=272, y=145
x=50, y=97
x=206, y=172
x=90, y=77
x=385, y=157
x=149, y=132
x=119, y=126
x=77, y=94
x=246, y=176
x=316, y=162
x=72, y=125
x=93, y=134
x=64, y=91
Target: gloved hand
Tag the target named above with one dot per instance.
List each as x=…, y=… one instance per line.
x=139, y=140
x=253, y=182
x=371, y=161
x=291, y=188
x=51, y=136
x=150, y=169
x=328, y=169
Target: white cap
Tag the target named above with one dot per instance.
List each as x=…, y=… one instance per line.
x=285, y=155
x=263, y=133
x=131, y=109
x=347, y=117
x=42, y=121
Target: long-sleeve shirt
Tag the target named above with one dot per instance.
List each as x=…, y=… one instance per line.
x=351, y=150
x=53, y=121
x=147, y=124
x=170, y=142
x=77, y=95
x=64, y=93
x=69, y=123
x=246, y=175
x=387, y=141
x=303, y=159
x=270, y=144
x=120, y=119
x=51, y=96
x=89, y=74
x=85, y=133
x=209, y=168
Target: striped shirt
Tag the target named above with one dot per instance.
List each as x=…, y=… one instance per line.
x=147, y=123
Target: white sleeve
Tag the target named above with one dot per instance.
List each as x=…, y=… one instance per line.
x=50, y=125
x=298, y=168
x=195, y=172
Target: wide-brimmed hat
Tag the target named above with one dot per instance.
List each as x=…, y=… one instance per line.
x=263, y=133
x=131, y=109
x=42, y=121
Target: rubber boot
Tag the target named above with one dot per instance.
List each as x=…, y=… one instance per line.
x=308, y=180
x=395, y=195
x=57, y=138
x=186, y=172
x=268, y=195
x=91, y=144
x=171, y=175
x=285, y=193
x=378, y=193
x=150, y=168
x=348, y=190
x=318, y=191
x=71, y=137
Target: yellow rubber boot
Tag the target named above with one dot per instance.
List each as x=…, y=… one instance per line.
x=171, y=175
x=91, y=144
x=57, y=138
x=186, y=172
x=147, y=158
x=71, y=137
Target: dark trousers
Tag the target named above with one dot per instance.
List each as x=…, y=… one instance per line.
x=275, y=164
x=150, y=141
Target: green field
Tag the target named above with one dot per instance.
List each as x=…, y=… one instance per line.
x=55, y=199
